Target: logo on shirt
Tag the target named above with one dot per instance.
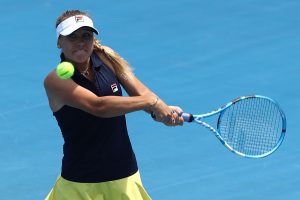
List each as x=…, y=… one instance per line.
x=114, y=87
x=79, y=18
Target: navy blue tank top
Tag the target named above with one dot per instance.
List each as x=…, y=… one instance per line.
x=95, y=149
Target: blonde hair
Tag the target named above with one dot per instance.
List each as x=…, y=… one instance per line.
x=120, y=65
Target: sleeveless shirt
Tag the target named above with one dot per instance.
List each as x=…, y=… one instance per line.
x=95, y=149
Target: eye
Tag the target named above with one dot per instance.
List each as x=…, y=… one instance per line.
x=72, y=37
x=87, y=36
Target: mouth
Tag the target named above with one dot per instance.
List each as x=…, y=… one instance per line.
x=80, y=51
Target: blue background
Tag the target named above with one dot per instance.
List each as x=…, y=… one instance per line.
x=198, y=54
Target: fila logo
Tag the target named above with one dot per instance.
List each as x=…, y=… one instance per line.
x=114, y=87
x=79, y=18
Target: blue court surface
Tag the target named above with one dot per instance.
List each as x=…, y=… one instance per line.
x=198, y=54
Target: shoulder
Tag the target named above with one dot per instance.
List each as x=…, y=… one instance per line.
x=60, y=92
x=52, y=81
x=49, y=79
x=49, y=85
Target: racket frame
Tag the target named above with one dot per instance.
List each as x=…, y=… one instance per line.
x=199, y=120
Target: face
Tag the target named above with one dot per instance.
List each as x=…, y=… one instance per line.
x=78, y=46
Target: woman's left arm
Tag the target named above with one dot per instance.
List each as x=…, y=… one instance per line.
x=134, y=87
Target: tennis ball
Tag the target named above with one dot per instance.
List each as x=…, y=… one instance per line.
x=65, y=70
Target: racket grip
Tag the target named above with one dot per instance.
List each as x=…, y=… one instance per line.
x=187, y=117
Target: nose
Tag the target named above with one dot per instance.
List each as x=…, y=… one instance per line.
x=80, y=42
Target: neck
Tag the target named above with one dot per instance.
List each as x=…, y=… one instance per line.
x=82, y=66
x=84, y=69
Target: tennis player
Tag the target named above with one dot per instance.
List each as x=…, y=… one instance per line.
x=98, y=161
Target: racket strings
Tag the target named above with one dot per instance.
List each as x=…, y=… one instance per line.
x=252, y=126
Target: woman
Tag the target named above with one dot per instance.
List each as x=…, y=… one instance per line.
x=98, y=161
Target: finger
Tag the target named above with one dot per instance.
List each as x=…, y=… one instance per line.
x=177, y=109
x=179, y=120
x=176, y=115
x=169, y=121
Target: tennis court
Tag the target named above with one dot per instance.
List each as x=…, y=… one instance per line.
x=198, y=54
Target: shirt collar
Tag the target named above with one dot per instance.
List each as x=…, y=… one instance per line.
x=96, y=62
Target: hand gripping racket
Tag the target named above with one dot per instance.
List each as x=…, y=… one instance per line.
x=249, y=126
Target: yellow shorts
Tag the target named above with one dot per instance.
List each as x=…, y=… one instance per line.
x=129, y=188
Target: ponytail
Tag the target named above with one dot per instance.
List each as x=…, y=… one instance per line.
x=120, y=65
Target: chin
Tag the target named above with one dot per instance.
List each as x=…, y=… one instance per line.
x=81, y=57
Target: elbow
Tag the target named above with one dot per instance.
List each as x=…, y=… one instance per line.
x=101, y=109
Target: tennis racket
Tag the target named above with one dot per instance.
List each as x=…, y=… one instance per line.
x=249, y=126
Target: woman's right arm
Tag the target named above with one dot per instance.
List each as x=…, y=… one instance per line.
x=67, y=92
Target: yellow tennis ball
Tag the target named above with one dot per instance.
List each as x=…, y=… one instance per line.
x=65, y=70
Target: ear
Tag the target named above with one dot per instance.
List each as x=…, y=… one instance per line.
x=58, y=43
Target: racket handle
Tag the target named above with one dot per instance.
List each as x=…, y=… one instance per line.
x=187, y=117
